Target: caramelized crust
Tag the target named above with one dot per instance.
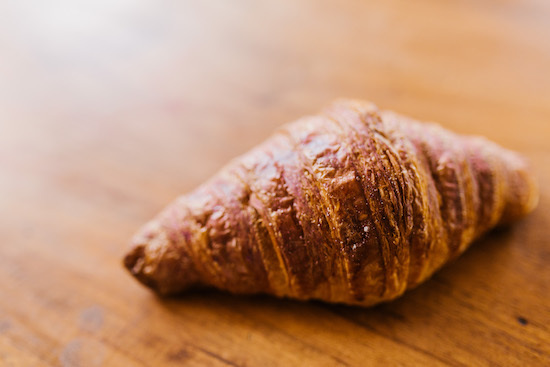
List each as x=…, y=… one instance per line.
x=354, y=205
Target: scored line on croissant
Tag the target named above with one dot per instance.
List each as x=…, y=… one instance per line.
x=354, y=205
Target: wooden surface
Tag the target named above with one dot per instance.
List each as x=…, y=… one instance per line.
x=110, y=109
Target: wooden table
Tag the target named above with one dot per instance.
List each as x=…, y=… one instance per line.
x=109, y=110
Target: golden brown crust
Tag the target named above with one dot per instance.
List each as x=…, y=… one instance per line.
x=354, y=205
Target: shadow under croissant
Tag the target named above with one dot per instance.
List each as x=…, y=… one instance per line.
x=485, y=261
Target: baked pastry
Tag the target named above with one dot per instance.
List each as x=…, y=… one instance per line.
x=354, y=205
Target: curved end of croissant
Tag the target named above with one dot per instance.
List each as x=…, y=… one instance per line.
x=134, y=261
x=158, y=263
x=523, y=189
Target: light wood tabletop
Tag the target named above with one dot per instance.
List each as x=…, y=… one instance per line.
x=111, y=109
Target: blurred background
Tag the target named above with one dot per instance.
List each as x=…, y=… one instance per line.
x=110, y=109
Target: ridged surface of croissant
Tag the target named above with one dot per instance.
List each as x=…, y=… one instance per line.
x=354, y=205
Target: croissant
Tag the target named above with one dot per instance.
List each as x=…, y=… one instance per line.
x=354, y=205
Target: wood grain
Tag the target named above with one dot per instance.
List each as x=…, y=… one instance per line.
x=110, y=109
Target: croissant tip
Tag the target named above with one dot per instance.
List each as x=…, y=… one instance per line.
x=133, y=259
x=156, y=263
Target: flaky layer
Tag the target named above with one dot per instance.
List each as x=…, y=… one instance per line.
x=354, y=205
